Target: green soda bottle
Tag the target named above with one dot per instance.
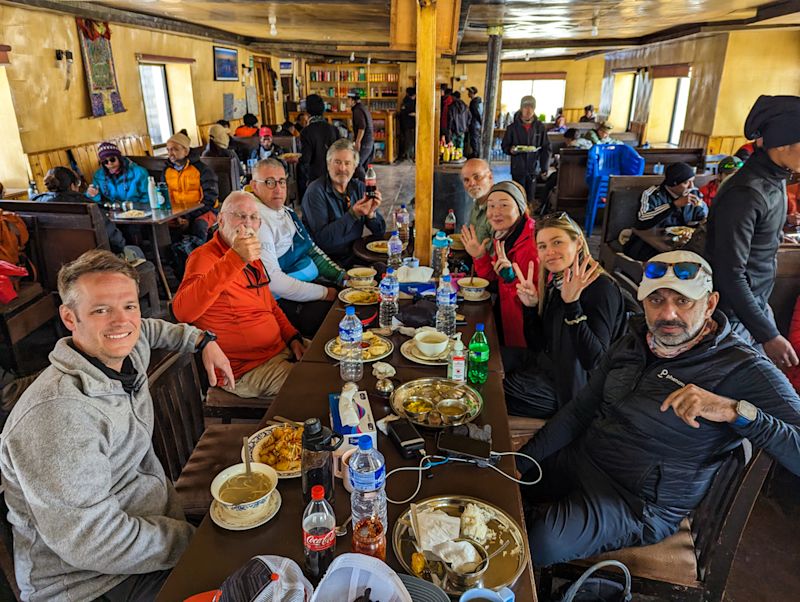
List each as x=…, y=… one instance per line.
x=478, y=369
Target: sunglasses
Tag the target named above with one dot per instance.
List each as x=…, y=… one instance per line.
x=255, y=277
x=683, y=270
x=109, y=160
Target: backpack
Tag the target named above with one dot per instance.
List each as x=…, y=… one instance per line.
x=13, y=237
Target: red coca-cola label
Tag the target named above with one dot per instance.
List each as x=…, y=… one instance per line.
x=318, y=543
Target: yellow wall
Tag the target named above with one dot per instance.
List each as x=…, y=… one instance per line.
x=50, y=117
x=661, y=105
x=13, y=168
x=756, y=62
x=621, y=101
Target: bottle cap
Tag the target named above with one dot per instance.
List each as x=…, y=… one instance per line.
x=402, y=205
x=479, y=327
x=394, y=232
x=365, y=443
x=317, y=492
x=389, y=271
x=446, y=278
x=350, y=310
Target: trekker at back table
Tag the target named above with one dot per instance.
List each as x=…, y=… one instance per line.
x=315, y=140
x=527, y=131
x=745, y=225
x=119, y=179
x=362, y=131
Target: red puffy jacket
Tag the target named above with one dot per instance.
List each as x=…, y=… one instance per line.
x=793, y=373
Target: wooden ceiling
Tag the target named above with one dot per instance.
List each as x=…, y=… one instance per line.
x=386, y=28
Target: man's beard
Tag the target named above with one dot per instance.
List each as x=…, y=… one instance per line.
x=675, y=340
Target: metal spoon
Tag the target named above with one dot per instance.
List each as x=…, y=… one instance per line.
x=246, y=458
x=341, y=530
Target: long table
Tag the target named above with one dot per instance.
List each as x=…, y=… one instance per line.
x=215, y=553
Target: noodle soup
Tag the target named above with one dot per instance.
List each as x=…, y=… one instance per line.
x=236, y=492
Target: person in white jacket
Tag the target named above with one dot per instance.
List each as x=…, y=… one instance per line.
x=293, y=261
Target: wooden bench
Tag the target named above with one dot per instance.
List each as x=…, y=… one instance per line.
x=226, y=169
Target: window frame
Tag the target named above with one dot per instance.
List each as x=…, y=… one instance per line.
x=170, y=123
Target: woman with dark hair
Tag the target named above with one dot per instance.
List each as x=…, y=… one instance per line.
x=573, y=312
x=249, y=128
x=119, y=179
x=63, y=186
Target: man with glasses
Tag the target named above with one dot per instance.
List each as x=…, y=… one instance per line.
x=336, y=208
x=478, y=181
x=225, y=291
x=636, y=450
x=290, y=256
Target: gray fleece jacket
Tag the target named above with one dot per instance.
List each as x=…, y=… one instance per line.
x=88, y=499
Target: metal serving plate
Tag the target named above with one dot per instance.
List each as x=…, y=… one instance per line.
x=504, y=569
x=435, y=390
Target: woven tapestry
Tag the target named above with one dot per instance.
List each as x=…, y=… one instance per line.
x=101, y=77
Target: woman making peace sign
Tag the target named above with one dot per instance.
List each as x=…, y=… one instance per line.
x=573, y=311
x=507, y=212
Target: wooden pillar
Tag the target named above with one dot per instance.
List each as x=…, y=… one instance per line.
x=426, y=147
x=491, y=88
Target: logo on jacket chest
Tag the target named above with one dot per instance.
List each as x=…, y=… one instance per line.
x=664, y=374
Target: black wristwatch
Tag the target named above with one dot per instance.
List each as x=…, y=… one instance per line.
x=208, y=337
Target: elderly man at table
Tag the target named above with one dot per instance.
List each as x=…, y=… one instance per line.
x=746, y=222
x=226, y=291
x=92, y=512
x=674, y=202
x=290, y=256
x=190, y=181
x=637, y=449
x=336, y=208
x=478, y=181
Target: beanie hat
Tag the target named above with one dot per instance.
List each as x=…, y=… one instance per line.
x=107, y=149
x=315, y=105
x=776, y=119
x=181, y=139
x=264, y=131
x=527, y=101
x=218, y=134
x=677, y=173
x=515, y=191
x=729, y=165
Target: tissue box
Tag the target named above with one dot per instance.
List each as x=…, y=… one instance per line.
x=351, y=434
x=422, y=288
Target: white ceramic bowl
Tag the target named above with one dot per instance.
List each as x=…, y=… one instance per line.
x=431, y=343
x=472, y=288
x=361, y=276
x=244, y=509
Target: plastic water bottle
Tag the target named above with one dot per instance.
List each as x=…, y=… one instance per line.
x=390, y=293
x=395, y=250
x=403, y=223
x=478, y=369
x=319, y=534
x=368, y=499
x=371, y=181
x=152, y=196
x=441, y=250
x=450, y=222
x=445, y=307
x=351, y=368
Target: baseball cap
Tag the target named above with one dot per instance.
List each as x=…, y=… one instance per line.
x=264, y=131
x=692, y=287
x=527, y=101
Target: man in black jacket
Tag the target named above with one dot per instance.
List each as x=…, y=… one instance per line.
x=458, y=120
x=476, y=121
x=408, y=124
x=746, y=223
x=315, y=140
x=636, y=450
x=524, y=133
x=362, y=132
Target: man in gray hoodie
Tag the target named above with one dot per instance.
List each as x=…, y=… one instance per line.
x=92, y=512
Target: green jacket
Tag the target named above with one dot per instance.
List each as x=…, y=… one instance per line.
x=477, y=218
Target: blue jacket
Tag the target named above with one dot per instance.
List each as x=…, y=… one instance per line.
x=657, y=209
x=130, y=185
x=333, y=226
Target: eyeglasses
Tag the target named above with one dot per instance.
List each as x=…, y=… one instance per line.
x=243, y=217
x=272, y=182
x=683, y=270
x=254, y=277
x=109, y=160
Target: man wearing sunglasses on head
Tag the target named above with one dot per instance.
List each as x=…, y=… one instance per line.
x=636, y=450
x=225, y=291
x=745, y=226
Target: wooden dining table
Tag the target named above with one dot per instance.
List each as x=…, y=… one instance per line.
x=215, y=553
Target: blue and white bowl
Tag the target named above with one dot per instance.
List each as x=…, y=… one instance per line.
x=244, y=510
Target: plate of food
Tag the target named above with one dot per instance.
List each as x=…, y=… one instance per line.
x=360, y=296
x=456, y=244
x=381, y=246
x=373, y=347
x=680, y=231
x=133, y=214
x=436, y=402
x=279, y=446
x=291, y=155
x=445, y=523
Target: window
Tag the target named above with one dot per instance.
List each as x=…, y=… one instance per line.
x=156, y=103
x=668, y=104
x=622, y=101
x=549, y=95
x=679, y=113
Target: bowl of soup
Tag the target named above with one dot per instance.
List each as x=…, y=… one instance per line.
x=431, y=343
x=238, y=492
x=361, y=276
x=453, y=411
x=417, y=408
x=472, y=288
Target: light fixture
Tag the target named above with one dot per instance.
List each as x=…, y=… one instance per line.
x=273, y=25
x=595, y=30
x=352, y=57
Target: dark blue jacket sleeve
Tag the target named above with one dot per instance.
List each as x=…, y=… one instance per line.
x=329, y=236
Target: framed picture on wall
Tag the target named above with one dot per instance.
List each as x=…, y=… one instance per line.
x=226, y=64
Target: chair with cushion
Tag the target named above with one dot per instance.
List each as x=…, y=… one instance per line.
x=191, y=453
x=694, y=563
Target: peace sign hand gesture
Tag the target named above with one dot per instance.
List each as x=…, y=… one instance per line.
x=502, y=261
x=526, y=287
x=578, y=277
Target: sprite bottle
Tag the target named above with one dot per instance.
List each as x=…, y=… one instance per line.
x=478, y=365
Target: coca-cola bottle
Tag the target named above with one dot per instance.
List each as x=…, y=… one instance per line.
x=450, y=222
x=371, y=181
x=319, y=535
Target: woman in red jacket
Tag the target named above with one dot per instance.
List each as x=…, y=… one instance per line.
x=507, y=212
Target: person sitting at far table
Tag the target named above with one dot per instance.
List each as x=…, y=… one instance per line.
x=636, y=450
x=476, y=174
x=572, y=314
x=513, y=242
x=725, y=168
x=119, y=179
x=336, y=208
x=248, y=128
x=266, y=147
x=219, y=145
x=226, y=291
x=588, y=114
x=290, y=256
x=92, y=513
x=675, y=202
x=572, y=139
x=601, y=135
